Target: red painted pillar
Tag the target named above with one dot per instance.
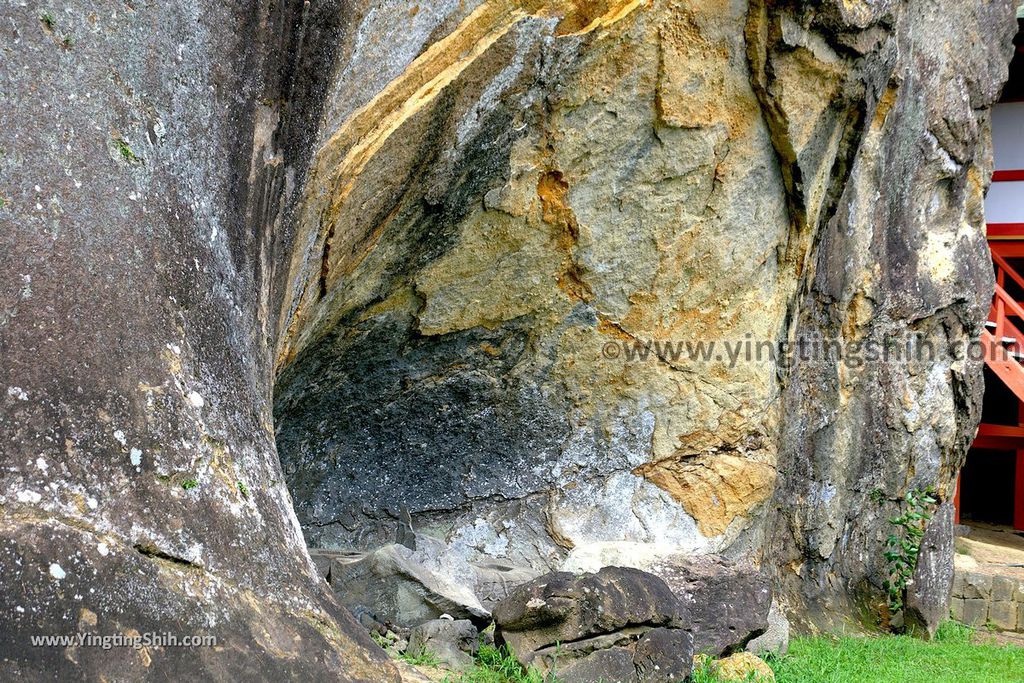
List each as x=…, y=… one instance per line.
x=1018, y=479
x=956, y=500
x=1018, y=492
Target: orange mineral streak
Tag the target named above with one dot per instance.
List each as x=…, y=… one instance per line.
x=330, y=242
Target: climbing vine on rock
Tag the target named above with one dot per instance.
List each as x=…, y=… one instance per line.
x=904, y=544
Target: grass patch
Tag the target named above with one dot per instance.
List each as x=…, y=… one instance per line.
x=497, y=665
x=954, y=656
x=422, y=658
x=951, y=657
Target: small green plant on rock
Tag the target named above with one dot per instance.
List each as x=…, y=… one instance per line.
x=904, y=544
x=126, y=151
x=47, y=20
x=189, y=484
x=243, y=489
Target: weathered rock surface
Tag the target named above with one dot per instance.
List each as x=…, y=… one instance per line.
x=453, y=642
x=724, y=603
x=775, y=639
x=521, y=191
x=743, y=667
x=140, y=490
x=403, y=587
x=429, y=234
x=408, y=584
x=619, y=624
x=894, y=246
x=929, y=593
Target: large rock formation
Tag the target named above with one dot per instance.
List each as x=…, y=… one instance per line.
x=431, y=234
x=141, y=492
x=896, y=255
x=515, y=194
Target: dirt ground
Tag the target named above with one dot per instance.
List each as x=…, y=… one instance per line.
x=990, y=549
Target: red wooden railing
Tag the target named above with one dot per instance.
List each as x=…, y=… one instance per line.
x=1003, y=344
x=1002, y=340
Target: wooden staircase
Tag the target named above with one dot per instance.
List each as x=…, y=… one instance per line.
x=1003, y=348
x=1002, y=340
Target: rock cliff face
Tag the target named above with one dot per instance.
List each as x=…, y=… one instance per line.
x=431, y=242
x=141, y=492
x=897, y=252
x=521, y=194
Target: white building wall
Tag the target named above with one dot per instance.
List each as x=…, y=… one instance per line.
x=1005, y=200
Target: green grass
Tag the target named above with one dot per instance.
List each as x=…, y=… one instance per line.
x=422, y=658
x=494, y=665
x=954, y=656
x=951, y=657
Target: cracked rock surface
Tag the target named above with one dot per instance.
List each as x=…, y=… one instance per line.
x=619, y=624
x=141, y=490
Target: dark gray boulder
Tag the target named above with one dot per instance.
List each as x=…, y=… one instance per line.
x=619, y=624
x=405, y=587
x=725, y=603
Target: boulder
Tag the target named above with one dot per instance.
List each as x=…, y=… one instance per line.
x=419, y=579
x=620, y=623
x=493, y=582
x=928, y=595
x=775, y=639
x=403, y=587
x=725, y=603
x=743, y=667
x=453, y=642
x=322, y=560
x=660, y=655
